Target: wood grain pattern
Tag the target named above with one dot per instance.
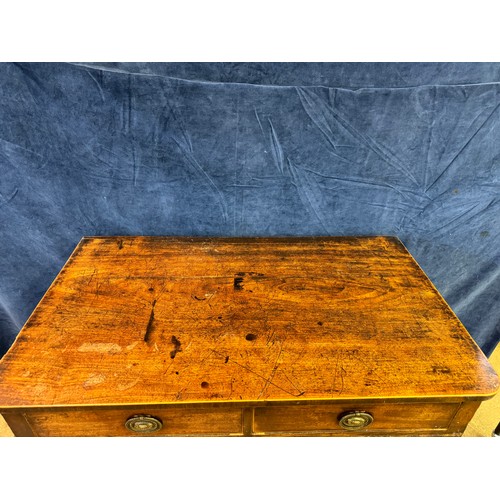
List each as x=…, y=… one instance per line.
x=162, y=320
x=314, y=419
x=176, y=421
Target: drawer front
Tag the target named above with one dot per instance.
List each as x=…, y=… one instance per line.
x=166, y=421
x=359, y=418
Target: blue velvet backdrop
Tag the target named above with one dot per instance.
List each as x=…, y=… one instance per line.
x=262, y=149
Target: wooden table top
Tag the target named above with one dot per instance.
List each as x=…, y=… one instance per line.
x=157, y=320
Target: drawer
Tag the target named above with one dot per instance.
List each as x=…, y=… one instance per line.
x=173, y=422
x=360, y=418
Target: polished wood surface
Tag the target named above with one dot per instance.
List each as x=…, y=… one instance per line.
x=167, y=321
x=416, y=417
x=176, y=421
x=403, y=418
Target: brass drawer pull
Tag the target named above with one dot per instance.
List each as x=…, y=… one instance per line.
x=143, y=424
x=355, y=420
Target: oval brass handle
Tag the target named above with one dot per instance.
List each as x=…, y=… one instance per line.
x=355, y=420
x=143, y=424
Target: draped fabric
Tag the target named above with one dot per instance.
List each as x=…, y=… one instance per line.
x=253, y=149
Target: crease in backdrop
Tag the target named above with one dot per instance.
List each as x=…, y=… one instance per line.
x=253, y=149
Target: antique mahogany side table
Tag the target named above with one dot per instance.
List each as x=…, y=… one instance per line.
x=165, y=336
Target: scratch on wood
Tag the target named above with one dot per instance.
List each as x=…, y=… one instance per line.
x=92, y=276
x=207, y=296
x=149, y=327
x=335, y=373
x=301, y=392
x=94, y=379
x=271, y=375
x=257, y=374
x=99, y=347
x=40, y=389
x=270, y=338
x=339, y=371
x=342, y=372
x=131, y=346
x=128, y=385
